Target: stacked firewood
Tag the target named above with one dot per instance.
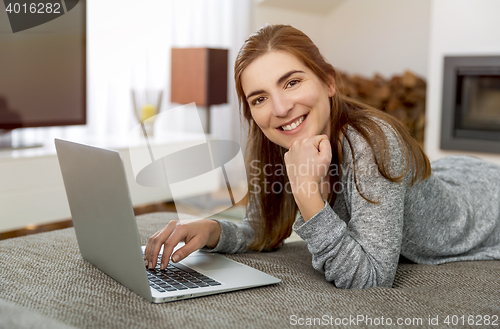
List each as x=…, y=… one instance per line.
x=401, y=96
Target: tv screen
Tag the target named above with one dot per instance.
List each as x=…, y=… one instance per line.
x=42, y=68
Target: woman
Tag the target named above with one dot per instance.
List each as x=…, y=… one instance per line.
x=362, y=185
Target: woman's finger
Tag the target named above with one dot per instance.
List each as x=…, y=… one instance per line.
x=194, y=244
x=156, y=241
x=325, y=147
x=179, y=234
x=149, y=244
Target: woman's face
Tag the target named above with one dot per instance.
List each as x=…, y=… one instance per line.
x=287, y=100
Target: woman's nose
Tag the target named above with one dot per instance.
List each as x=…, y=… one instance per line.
x=281, y=106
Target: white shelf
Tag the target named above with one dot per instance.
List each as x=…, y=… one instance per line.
x=32, y=190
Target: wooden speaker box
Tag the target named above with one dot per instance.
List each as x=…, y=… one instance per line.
x=199, y=75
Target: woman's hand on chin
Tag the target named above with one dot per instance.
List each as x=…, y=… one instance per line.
x=307, y=162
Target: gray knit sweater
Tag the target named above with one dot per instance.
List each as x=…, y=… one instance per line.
x=454, y=215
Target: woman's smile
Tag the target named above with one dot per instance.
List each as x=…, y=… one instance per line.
x=294, y=127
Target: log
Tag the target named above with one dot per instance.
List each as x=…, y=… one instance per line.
x=402, y=96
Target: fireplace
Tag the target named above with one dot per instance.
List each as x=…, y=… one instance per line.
x=471, y=104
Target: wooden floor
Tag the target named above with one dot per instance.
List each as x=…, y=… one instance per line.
x=33, y=229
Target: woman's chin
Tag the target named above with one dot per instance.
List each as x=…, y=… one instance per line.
x=284, y=144
x=287, y=144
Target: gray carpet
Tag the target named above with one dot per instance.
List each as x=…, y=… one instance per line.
x=44, y=278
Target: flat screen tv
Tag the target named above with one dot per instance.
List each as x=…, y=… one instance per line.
x=42, y=68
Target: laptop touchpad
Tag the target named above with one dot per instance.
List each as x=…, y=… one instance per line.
x=208, y=262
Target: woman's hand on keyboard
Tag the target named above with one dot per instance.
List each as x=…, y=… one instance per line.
x=196, y=234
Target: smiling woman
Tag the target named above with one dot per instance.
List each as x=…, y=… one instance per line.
x=280, y=77
x=357, y=187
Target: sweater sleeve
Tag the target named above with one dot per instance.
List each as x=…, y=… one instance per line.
x=361, y=251
x=234, y=237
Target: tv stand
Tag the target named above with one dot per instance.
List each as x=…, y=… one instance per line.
x=6, y=142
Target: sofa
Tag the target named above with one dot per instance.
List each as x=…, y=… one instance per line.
x=45, y=283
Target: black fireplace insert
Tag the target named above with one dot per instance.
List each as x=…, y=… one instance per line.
x=471, y=104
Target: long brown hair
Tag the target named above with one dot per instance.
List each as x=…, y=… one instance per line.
x=272, y=207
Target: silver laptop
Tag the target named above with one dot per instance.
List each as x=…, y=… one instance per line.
x=107, y=234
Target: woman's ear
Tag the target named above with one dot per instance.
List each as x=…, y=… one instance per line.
x=331, y=85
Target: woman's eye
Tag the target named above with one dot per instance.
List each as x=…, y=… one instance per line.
x=258, y=100
x=292, y=83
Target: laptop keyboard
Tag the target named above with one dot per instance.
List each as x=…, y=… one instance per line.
x=178, y=277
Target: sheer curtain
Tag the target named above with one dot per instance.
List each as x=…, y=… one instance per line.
x=128, y=47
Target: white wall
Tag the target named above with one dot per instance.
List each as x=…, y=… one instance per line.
x=458, y=27
x=363, y=36
x=309, y=23
x=384, y=36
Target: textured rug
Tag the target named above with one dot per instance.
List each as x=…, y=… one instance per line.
x=43, y=277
